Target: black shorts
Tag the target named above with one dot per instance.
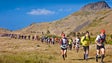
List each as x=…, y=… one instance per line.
x=63, y=48
x=86, y=48
x=99, y=47
x=70, y=44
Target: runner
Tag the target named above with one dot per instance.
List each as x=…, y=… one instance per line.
x=70, y=41
x=85, y=40
x=74, y=42
x=100, y=40
x=77, y=43
x=62, y=33
x=64, y=44
x=52, y=40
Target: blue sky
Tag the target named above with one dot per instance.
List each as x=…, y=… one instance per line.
x=17, y=14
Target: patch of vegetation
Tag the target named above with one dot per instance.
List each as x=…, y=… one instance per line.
x=104, y=12
x=93, y=40
x=71, y=34
x=109, y=39
x=111, y=36
x=26, y=58
x=81, y=13
x=109, y=42
x=96, y=22
x=51, y=35
x=48, y=32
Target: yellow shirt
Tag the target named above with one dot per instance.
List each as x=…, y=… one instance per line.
x=70, y=41
x=85, y=41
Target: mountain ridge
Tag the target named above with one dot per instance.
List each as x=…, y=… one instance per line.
x=96, y=6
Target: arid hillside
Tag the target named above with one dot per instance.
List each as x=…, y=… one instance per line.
x=99, y=23
x=4, y=31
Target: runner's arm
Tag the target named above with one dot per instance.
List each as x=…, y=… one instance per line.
x=60, y=42
x=96, y=41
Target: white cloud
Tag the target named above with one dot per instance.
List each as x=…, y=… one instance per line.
x=40, y=12
x=64, y=10
x=61, y=10
x=17, y=9
x=69, y=9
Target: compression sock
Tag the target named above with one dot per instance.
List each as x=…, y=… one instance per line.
x=102, y=57
x=96, y=58
x=84, y=56
x=63, y=57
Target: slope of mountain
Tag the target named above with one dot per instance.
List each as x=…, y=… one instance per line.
x=4, y=31
x=74, y=22
x=101, y=23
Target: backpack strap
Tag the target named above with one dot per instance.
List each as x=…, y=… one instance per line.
x=103, y=39
x=84, y=38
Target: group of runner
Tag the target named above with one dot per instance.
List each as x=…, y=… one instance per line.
x=48, y=40
x=85, y=41
x=21, y=36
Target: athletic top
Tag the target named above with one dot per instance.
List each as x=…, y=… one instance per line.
x=64, y=43
x=77, y=40
x=70, y=41
x=100, y=39
x=85, y=41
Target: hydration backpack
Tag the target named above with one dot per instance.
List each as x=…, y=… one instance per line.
x=102, y=38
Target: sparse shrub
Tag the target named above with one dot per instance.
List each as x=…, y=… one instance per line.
x=111, y=36
x=91, y=33
x=71, y=34
x=48, y=32
x=27, y=61
x=93, y=40
x=82, y=34
x=78, y=33
x=109, y=41
x=50, y=57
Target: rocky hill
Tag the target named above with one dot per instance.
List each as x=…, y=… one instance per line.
x=96, y=6
x=81, y=20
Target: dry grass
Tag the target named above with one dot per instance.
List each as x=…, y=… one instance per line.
x=26, y=51
x=4, y=31
x=102, y=22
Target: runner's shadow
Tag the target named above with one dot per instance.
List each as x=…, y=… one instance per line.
x=77, y=59
x=91, y=58
x=83, y=59
x=108, y=61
